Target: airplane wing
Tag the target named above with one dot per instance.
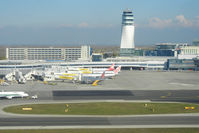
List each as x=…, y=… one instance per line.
x=6, y=96
x=9, y=97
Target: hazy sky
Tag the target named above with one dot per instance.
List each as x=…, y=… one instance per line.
x=76, y=22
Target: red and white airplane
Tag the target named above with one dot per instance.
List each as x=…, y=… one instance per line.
x=111, y=70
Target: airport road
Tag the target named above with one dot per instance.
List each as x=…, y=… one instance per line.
x=152, y=95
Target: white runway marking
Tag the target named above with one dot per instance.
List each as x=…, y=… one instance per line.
x=96, y=126
x=182, y=84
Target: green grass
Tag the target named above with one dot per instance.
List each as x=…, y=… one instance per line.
x=144, y=130
x=104, y=108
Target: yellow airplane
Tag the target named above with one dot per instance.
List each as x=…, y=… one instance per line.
x=83, y=69
x=70, y=74
x=67, y=77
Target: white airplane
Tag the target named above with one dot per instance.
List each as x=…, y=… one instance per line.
x=108, y=72
x=78, y=69
x=111, y=68
x=117, y=70
x=97, y=75
x=4, y=84
x=10, y=95
x=60, y=76
x=91, y=79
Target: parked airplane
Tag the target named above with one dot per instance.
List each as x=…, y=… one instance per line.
x=117, y=70
x=79, y=74
x=3, y=83
x=114, y=71
x=91, y=79
x=78, y=69
x=59, y=77
x=97, y=75
x=10, y=95
x=111, y=68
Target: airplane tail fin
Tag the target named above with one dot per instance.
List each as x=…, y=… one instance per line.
x=117, y=70
x=95, y=83
x=103, y=75
x=112, y=67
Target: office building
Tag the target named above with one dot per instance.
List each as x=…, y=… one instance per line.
x=86, y=52
x=127, y=38
x=72, y=54
x=51, y=53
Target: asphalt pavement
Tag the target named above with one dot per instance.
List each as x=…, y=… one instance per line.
x=79, y=121
x=128, y=86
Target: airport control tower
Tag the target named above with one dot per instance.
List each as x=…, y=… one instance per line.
x=127, y=39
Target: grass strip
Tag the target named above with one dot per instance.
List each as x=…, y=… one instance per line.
x=104, y=108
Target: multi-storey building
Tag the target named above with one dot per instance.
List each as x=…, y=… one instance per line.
x=15, y=53
x=86, y=51
x=72, y=53
x=44, y=53
x=48, y=53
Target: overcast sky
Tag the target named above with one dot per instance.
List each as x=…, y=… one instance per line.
x=77, y=22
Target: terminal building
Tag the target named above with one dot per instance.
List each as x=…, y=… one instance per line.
x=168, y=49
x=196, y=61
x=181, y=64
x=96, y=57
x=195, y=43
x=51, y=53
x=165, y=49
x=188, y=52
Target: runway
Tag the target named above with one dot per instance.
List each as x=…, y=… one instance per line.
x=100, y=121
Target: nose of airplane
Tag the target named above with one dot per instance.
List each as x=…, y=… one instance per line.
x=26, y=95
